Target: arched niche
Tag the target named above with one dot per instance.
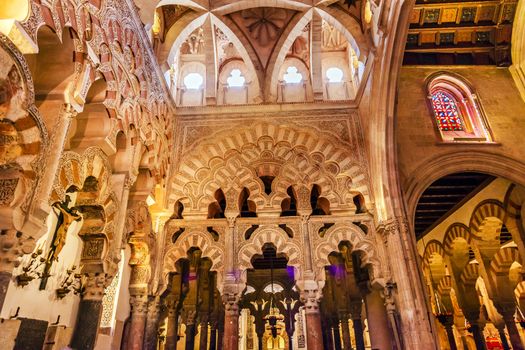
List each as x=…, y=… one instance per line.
x=230, y=91
x=294, y=82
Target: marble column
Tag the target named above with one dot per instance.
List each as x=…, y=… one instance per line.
x=220, y=335
x=476, y=328
x=314, y=332
x=139, y=309
x=514, y=335
x=203, y=343
x=89, y=313
x=231, y=326
x=152, y=324
x=213, y=338
x=328, y=337
x=191, y=329
x=173, y=326
x=448, y=321
x=378, y=324
x=337, y=335
x=503, y=336
x=355, y=311
x=347, y=340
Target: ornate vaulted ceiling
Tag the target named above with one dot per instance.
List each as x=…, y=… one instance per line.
x=257, y=38
x=460, y=32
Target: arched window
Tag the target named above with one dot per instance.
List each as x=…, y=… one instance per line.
x=446, y=111
x=193, y=81
x=292, y=76
x=457, y=113
x=236, y=79
x=334, y=75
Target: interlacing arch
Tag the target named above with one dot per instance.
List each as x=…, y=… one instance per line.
x=276, y=236
x=194, y=239
x=359, y=242
x=291, y=155
x=23, y=130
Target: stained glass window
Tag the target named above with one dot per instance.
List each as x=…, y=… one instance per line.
x=446, y=112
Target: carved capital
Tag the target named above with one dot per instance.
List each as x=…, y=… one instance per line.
x=388, y=294
x=231, y=221
x=129, y=181
x=69, y=111
x=139, y=304
x=392, y=227
x=94, y=285
x=189, y=315
x=355, y=310
x=311, y=299
x=231, y=303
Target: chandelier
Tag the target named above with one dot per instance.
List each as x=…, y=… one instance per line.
x=274, y=315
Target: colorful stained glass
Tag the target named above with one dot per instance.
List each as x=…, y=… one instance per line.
x=446, y=112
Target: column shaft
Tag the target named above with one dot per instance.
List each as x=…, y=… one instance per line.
x=314, y=332
x=203, y=344
x=347, y=341
x=86, y=328
x=139, y=308
x=337, y=336
x=451, y=338
x=503, y=338
x=358, y=333
x=380, y=335
x=172, y=329
x=190, y=336
x=231, y=331
x=479, y=338
x=514, y=334
x=213, y=339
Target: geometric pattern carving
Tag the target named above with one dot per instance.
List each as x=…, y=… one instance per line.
x=339, y=233
x=237, y=158
x=276, y=236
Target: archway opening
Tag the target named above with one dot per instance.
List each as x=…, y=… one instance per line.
x=470, y=238
x=270, y=303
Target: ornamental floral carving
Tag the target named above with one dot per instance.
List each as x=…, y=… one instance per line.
x=264, y=23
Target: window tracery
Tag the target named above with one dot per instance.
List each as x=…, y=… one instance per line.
x=236, y=78
x=456, y=110
x=292, y=76
x=446, y=111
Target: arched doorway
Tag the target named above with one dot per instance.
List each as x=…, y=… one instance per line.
x=470, y=240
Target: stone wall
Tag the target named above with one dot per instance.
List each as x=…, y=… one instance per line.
x=418, y=142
